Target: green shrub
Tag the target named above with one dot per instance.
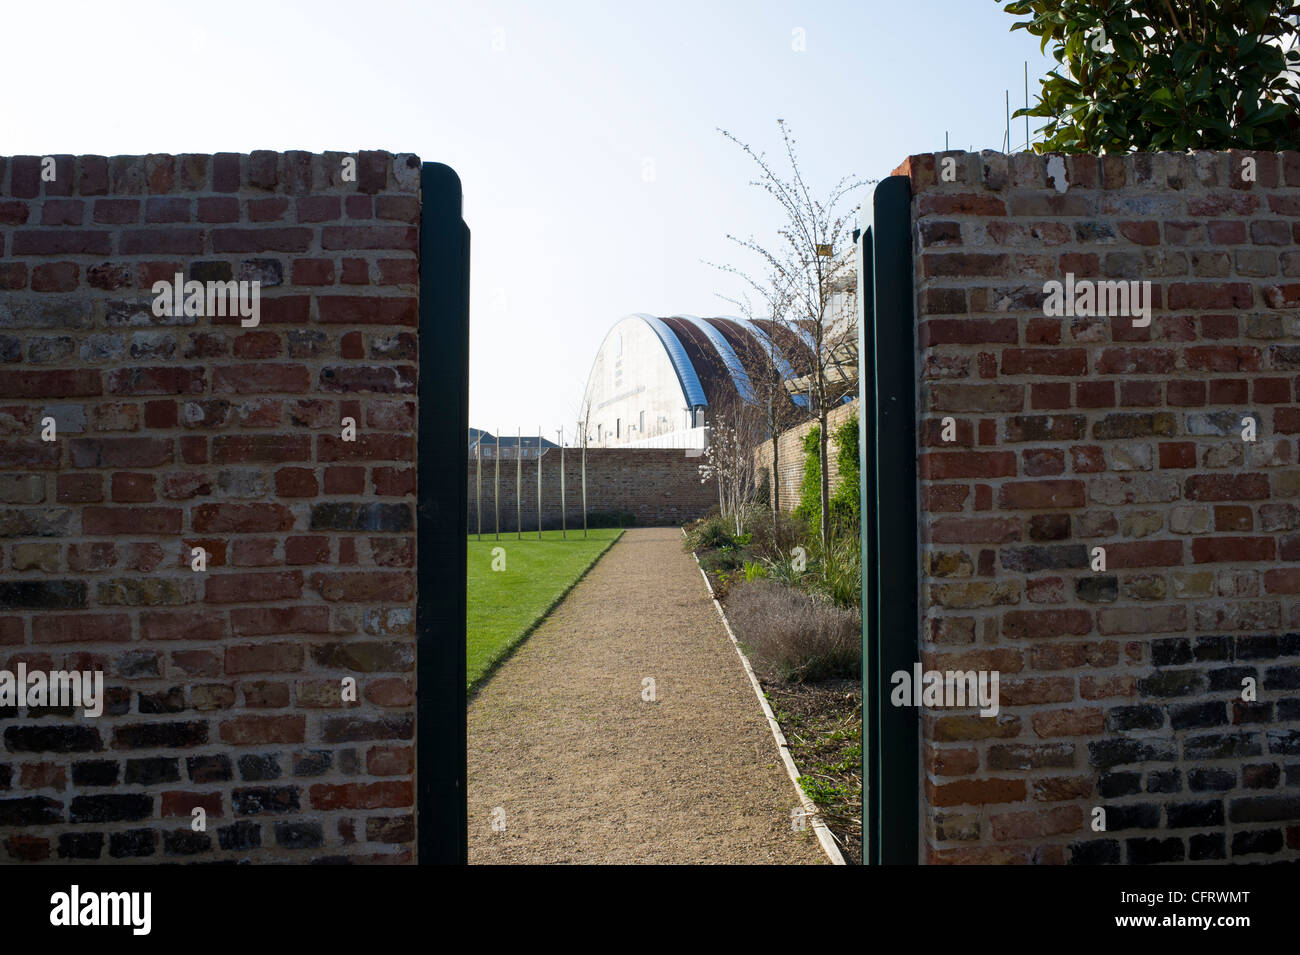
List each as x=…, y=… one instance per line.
x=846, y=501
x=611, y=519
x=722, y=559
x=809, y=508
x=710, y=533
x=754, y=570
x=846, y=496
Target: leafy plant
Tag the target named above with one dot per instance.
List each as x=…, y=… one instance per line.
x=1149, y=75
x=722, y=559
x=841, y=572
x=710, y=533
x=820, y=792
x=846, y=501
x=783, y=568
x=809, y=508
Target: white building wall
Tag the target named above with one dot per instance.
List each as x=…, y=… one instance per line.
x=633, y=392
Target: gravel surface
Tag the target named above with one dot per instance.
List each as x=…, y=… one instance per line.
x=583, y=770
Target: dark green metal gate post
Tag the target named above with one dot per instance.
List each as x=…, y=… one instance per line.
x=887, y=393
x=442, y=520
x=867, y=478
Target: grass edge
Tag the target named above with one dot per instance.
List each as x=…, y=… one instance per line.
x=472, y=690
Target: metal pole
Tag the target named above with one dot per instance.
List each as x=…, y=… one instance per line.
x=478, y=486
x=539, y=482
x=564, y=533
x=584, y=483
x=519, y=483
x=496, y=490
x=1026, y=104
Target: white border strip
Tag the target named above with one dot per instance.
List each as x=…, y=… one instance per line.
x=783, y=747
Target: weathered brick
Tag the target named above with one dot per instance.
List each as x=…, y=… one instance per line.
x=245, y=588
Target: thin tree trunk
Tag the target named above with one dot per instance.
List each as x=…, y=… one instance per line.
x=825, y=480
x=776, y=483
x=823, y=422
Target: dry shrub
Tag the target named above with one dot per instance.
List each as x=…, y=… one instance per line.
x=793, y=636
x=769, y=542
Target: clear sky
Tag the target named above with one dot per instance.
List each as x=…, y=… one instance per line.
x=553, y=112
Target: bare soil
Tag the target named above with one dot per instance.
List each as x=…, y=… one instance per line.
x=565, y=752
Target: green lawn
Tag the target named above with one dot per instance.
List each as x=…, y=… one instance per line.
x=505, y=605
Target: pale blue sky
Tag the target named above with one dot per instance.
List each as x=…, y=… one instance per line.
x=549, y=111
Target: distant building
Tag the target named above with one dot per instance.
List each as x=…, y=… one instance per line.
x=655, y=379
x=486, y=444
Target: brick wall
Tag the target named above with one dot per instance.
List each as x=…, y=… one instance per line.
x=791, y=456
x=223, y=686
x=658, y=487
x=1120, y=689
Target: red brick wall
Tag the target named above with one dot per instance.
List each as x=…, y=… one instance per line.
x=224, y=686
x=1120, y=689
x=658, y=487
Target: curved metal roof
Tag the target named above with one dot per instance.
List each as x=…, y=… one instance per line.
x=739, y=376
x=806, y=335
x=783, y=367
x=773, y=353
x=686, y=376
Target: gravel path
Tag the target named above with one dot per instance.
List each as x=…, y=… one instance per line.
x=585, y=771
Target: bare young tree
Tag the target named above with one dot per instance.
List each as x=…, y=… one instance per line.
x=770, y=369
x=736, y=426
x=809, y=277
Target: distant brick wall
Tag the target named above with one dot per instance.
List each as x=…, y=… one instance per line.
x=173, y=433
x=1120, y=689
x=791, y=456
x=658, y=487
